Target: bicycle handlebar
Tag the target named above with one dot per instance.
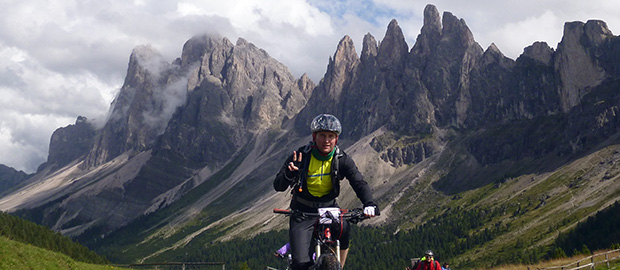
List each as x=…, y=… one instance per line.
x=353, y=215
x=282, y=211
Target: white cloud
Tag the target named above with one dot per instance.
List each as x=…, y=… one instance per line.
x=62, y=59
x=35, y=101
x=547, y=28
x=24, y=140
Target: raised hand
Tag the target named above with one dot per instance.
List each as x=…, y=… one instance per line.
x=294, y=165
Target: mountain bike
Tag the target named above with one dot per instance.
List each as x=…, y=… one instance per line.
x=328, y=221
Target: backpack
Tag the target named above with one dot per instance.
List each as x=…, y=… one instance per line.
x=414, y=263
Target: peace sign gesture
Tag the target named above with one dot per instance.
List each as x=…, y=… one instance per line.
x=294, y=165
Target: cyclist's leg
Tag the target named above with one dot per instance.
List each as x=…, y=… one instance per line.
x=344, y=243
x=300, y=236
x=343, y=256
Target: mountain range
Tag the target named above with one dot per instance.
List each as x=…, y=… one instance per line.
x=192, y=146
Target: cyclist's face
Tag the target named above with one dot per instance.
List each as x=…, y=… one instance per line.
x=325, y=141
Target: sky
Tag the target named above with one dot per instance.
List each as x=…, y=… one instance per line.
x=68, y=58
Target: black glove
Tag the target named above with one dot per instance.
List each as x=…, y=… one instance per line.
x=291, y=175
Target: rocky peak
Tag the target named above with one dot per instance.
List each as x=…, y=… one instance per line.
x=539, y=51
x=393, y=48
x=597, y=31
x=369, y=49
x=10, y=177
x=242, y=42
x=345, y=53
x=577, y=63
x=236, y=92
x=195, y=48
x=69, y=143
x=430, y=33
x=339, y=68
x=141, y=110
x=209, y=54
x=254, y=83
x=493, y=49
x=306, y=85
x=494, y=55
x=337, y=79
x=144, y=62
x=455, y=31
x=432, y=20
x=262, y=90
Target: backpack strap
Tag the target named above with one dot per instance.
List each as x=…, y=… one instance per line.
x=336, y=160
x=306, y=150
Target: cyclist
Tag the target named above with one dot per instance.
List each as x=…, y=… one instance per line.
x=427, y=262
x=315, y=171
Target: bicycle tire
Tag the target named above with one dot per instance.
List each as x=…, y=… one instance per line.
x=328, y=262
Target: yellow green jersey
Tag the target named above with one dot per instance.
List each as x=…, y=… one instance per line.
x=319, y=179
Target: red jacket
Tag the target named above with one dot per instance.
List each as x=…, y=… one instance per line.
x=426, y=265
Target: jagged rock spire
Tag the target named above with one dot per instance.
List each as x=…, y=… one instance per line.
x=132, y=123
x=369, y=48
x=456, y=29
x=431, y=31
x=393, y=48
x=340, y=67
x=576, y=62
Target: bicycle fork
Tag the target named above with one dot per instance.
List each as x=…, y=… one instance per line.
x=328, y=236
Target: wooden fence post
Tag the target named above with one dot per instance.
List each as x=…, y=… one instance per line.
x=607, y=259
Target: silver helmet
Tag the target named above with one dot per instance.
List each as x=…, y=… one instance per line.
x=326, y=122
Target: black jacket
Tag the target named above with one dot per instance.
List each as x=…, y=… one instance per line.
x=342, y=167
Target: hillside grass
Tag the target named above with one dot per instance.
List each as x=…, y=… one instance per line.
x=23, y=231
x=16, y=256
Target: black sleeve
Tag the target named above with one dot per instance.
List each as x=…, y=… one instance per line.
x=285, y=178
x=356, y=180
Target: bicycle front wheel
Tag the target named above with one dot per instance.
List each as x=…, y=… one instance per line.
x=328, y=262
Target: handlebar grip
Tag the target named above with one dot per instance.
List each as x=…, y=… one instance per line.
x=282, y=211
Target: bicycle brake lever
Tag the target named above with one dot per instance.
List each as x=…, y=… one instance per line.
x=299, y=216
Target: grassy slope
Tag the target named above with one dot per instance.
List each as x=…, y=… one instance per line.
x=539, y=206
x=15, y=256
